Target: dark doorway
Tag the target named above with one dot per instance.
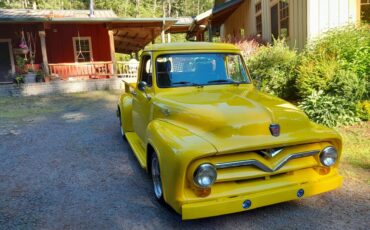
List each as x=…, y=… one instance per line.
x=275, y=21
x=5, y=63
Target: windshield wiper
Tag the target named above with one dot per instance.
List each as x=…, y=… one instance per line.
x=186, y=83
x=220, y=81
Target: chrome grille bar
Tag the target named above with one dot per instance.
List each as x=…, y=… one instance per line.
x=263, y=167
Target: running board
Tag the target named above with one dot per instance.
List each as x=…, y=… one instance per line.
x=135, y=143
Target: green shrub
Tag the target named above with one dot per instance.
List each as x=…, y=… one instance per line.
x=363, y=110
x=273, y=68
x=343, y=52
x=315, y=73
x=348, y=85
x=329, y=110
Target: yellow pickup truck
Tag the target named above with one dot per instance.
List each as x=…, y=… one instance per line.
x=212, y=143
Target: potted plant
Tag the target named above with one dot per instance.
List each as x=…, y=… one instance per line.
x=30, y=77
x=40, y=76
x=18, y=79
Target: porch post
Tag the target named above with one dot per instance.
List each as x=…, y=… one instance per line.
x=153, y=38
x=112, y=50
x=45, y=62
x=163, y=37
x=210, y=35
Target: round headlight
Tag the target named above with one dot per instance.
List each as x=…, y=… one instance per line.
x=205, y=175
x=328, y=156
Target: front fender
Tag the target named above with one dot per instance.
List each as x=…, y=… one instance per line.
x=125, y=107
x=176, y=148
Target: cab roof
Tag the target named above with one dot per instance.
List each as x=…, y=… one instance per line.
x=184, y=46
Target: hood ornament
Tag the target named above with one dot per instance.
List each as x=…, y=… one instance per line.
x=275, y=130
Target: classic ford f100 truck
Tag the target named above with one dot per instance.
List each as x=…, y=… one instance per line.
x=212, y=143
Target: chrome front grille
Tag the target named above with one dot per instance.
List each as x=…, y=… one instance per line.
x=264, y=167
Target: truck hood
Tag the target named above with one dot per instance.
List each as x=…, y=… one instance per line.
x=237, y=119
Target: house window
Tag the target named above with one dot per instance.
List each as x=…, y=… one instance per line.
x=365, y=10
x=280, y=18
x=82, y=49
x=258, y=9
x=284, y=18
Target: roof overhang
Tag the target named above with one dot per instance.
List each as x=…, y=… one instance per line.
x=130, y=36
x=214, y=17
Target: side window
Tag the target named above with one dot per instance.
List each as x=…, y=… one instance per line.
x=146, y=70
x=234, y=68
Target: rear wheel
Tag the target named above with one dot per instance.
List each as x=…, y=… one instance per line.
x=156, y=178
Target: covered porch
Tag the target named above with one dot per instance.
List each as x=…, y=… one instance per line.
x=69, y=45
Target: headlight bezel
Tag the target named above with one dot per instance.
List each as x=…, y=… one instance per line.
x=329, y=152
x=204, y=168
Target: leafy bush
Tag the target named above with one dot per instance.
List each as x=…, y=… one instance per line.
x=273, y=67
x=348, y=85
x=363, y=110
x=329, y=110
x=340, y=56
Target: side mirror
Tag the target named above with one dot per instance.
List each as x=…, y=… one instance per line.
x=142, y=86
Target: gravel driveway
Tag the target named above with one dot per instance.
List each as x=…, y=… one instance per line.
x=68, y=168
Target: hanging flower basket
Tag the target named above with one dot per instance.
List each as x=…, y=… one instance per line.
x=18, y=51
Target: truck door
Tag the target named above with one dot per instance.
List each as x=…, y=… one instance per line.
x=141, y=105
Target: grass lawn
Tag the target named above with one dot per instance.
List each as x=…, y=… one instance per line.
x=14, y=111
x=355, y=161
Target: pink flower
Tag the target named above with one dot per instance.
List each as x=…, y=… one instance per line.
x=23, y=46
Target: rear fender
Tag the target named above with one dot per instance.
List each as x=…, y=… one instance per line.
x=125, y=107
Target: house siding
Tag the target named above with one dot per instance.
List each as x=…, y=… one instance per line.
x=323, y=15
x=59, y=43
x=240, y=19
x=297, y=24
x=307, y=19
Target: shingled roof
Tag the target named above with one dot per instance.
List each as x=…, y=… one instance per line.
x=28, y=14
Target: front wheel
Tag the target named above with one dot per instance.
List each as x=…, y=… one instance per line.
x=121, y=125
x=156, y=178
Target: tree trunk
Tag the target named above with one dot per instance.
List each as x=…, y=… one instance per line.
x=137, y=8
x=154, y=7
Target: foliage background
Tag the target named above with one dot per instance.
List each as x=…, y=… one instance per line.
x=330, y=79
x=123, y=8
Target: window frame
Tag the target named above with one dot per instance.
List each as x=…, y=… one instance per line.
x=258, y=14
x=278, y=2
x=142, y=66
x=248, y=76
x=75, y=51
x=367, y=3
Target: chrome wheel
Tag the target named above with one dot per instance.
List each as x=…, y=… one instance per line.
x=120, y=125
x=156, y=177
x=122, y=131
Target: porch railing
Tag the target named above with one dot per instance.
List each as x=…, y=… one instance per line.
x=126, y=69
x=93, y=70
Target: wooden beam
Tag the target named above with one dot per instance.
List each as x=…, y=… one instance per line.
x=137, y=26
x=112, y=49
x=45, y=62
x=131, y=40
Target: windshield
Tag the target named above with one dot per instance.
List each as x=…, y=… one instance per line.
x=178, y=70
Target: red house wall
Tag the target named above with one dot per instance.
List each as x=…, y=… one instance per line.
x=59, y=42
